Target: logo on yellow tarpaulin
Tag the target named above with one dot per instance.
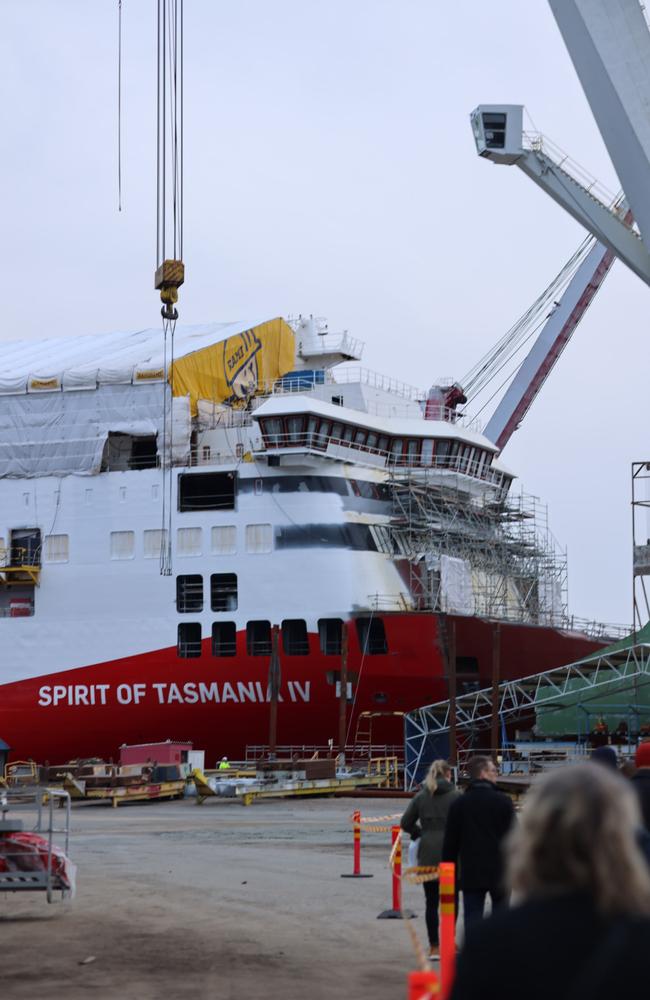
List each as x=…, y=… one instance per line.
x=241, y=363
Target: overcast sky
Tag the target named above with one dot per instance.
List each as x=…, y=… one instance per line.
x=330, y=169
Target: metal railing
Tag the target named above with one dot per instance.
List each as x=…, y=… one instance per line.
x=322, y=442
x=540, y=143
x=359, y=751
x=597, y=630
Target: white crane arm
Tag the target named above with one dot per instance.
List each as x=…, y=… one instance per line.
x=609, y=45
x=500, y=137
x=548, y=346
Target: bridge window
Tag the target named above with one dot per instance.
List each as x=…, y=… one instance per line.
x=442, y=453
x=189, y=594
x=372, y=636
x=223, y=591
x=294, y=637
x=189, y=640
x=413, y=452
x=273, y=431
x=258, y=638
x=295, y=427
x=427, y=451
x=224, y=639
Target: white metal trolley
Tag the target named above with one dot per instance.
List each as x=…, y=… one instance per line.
x=48, y=879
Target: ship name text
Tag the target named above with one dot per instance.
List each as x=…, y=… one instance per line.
x=168, y=693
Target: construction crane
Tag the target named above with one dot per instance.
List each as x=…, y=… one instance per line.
x=553, y=318
x=609, y=43
x=554, y=336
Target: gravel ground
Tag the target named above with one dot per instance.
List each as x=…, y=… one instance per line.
x=219, y=901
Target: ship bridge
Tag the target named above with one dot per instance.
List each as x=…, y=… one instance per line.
x=293, y=426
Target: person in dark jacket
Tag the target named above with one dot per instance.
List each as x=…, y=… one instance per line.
x=580, y=923
x=476, y=827
x=641, y=781
x=424, y=819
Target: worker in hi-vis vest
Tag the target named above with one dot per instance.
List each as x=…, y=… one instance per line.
x=224, y=764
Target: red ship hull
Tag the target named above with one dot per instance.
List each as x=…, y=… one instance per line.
x=221, y=705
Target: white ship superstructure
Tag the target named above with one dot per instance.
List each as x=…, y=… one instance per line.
x=163, y=508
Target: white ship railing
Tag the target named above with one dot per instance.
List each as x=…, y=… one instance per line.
x=323, y=444
x=330, y=343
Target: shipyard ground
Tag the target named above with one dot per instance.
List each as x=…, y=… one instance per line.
x=216, y=901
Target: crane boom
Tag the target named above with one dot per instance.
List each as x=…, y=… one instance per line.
x=609, y=45
x=548, y=346
x=499, y=137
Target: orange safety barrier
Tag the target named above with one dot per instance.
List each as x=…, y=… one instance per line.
x=422, y=985
x=396, y=912
x=356, y=848
x=447, y=879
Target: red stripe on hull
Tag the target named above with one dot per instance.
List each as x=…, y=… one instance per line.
x=155, y=696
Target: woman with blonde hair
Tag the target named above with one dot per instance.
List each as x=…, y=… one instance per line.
x=424, y=820
x=580, y=925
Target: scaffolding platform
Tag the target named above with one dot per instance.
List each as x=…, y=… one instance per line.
x=615, y=668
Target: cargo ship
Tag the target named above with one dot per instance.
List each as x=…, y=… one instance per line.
x=165, y=503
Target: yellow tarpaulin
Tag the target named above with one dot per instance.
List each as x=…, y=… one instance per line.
x=232, y=370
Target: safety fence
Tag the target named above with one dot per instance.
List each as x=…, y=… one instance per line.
x=423, y=982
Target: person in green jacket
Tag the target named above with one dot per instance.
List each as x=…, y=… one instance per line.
x=424, y=820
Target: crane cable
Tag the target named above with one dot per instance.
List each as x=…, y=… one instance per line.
x=492, y=363
x=170, y=272
x=119, y=105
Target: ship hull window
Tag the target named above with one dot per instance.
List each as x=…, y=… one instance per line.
x=258, y=638
x=223, y=591
x=189, y=541
x=224, y=639
x=155, y=541
x=259, y=538
x=330, y=636
x=372, y=636
x=357, y=537
x=189, y=594
x=207, y=491
x=122, y=544
x=427, y=451
x=224, y=540
x=294, y=637
x=56, y=549
x=189, y=640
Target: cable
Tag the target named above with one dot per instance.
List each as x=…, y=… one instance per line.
x=508, y=346
x=119, y=105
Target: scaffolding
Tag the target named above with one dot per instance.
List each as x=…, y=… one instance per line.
x=507, y=563
x=620, y=667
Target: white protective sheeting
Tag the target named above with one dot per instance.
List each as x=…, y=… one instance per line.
x=86, y=362
x=456, y=594
x=62, y=433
